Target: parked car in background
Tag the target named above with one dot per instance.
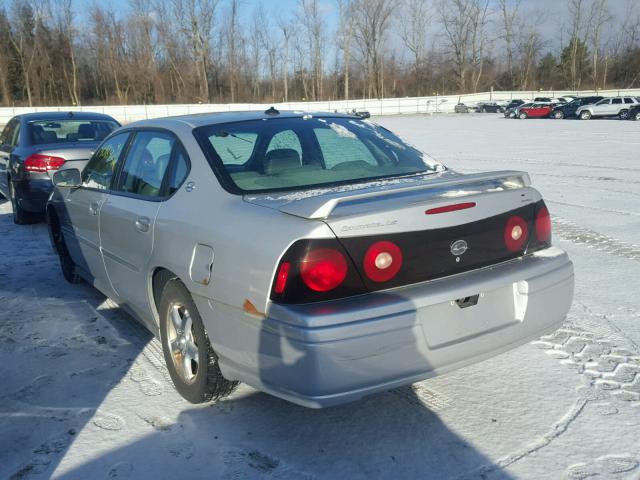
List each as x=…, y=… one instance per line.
x=543, y=100
x=513, y=111
x=568, y=110
x=634, y=113
x=367, y=276
x=489, y=107
x=34, y=145
x=537, y=110
x=461, y=108
x=513, y=104
x=608, y=107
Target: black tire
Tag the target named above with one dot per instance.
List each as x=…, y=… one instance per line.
x=585, y=115
x=523, y=115
x=20, y=216
x=623, y=115
x=558, y=115
x=207, y=383
x=636, y=116
x=67, y=265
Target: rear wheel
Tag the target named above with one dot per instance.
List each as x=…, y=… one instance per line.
x=586, y=115
x=624, y=114
x=558, y=115
x=67, y=265
x=523, y=115
x=20, y=216
x=191, y=361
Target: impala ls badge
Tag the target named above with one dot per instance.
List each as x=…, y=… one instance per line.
x=458, y=248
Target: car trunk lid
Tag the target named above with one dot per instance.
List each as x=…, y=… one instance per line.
x=443, y=224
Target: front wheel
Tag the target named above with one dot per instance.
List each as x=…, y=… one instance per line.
x=191, y=361
x=67, y=265
x=523, y=115
x=586, y=115
x=624, y=114
x=558, y=115
x=637, y=116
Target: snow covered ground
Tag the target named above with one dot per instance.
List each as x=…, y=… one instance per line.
x=84, y=392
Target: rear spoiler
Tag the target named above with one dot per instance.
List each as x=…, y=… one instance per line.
x=321, y=206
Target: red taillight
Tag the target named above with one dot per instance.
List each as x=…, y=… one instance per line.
x=382, y=261
x=323, y=269
x=543, y=225
x=281, y=279
x=42, y=163
x=515, y=233
x=451, y=208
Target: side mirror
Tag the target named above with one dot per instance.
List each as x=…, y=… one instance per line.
x=69, y=177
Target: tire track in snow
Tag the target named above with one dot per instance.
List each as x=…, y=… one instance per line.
x=580, y=235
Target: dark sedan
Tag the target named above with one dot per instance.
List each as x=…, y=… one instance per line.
x=490, y=107
x=34, y=145
x=568, y=110
x=634, y=113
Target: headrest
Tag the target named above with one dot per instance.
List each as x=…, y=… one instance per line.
x=85, y=130
x=48, y=136
x=281, y=159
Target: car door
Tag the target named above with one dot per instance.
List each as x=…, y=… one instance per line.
x=8, y=141
x=82, y=205
x=128, y=214
x=602, y=107
x=616, y=106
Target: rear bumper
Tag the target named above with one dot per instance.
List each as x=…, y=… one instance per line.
x=328, y=353
x=32, y=194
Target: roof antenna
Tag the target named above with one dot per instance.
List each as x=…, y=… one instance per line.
x=272, y=111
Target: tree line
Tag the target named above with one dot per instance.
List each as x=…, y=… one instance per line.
x=213, y=51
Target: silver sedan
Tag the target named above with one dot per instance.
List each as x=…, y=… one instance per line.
x=316, y=257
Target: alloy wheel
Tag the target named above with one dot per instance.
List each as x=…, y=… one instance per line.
x=181, y=342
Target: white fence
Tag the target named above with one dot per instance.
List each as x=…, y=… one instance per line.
x=386, y=106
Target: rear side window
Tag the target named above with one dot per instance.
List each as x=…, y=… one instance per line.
x=179, y=171
x=99, y=171
x=69, y=131
x=146, y=164
x=628, y=100
x=11, y=133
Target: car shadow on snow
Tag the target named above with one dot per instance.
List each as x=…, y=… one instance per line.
x=394, y=434
x=255, y=435
x=62, y=349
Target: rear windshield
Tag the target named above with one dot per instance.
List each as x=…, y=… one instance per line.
x=297, y=153
x=66, y=131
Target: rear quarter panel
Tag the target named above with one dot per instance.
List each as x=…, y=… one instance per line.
x=247, y=240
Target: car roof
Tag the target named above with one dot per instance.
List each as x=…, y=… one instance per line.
x=200, y=119
x=29, y=117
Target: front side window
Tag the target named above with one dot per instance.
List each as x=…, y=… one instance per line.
x=99, y=171
x=606, y=101
x=68, y=131
x=146, y=164
x=298, y=153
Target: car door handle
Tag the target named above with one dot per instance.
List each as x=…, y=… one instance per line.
x=94, y=208
x=143, y=224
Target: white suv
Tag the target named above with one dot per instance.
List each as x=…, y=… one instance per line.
x=608, y=107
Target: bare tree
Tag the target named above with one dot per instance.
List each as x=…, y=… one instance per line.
x=414, y=19
x=373, y=18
